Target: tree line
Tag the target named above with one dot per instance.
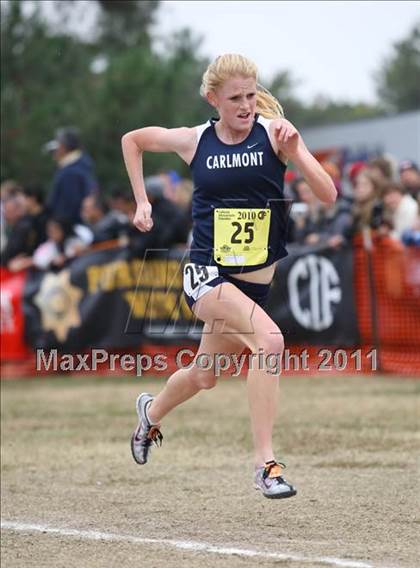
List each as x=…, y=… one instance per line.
x=116, y=80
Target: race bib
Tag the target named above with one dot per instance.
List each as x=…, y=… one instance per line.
x=241, y=236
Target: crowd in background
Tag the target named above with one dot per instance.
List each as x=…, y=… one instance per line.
x=377, y=194
x=46, y=229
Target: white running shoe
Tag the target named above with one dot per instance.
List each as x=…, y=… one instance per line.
x=270, y=481
x=146, y=433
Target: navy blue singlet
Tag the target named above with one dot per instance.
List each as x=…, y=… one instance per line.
x=245, y=175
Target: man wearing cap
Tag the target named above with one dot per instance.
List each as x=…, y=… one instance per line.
x=410, y=177
x=74, y=178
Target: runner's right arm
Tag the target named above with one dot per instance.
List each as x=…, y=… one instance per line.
x=182, y=141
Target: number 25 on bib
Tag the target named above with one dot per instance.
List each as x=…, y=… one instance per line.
x=241, y=236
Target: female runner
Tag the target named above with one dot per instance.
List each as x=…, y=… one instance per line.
x=238, y=163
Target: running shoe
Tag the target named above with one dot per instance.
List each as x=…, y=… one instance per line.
x=270, y=481
x=146, y=433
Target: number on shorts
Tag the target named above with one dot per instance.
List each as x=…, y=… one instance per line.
x=197, y=274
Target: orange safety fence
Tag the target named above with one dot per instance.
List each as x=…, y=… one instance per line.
x=388, y=305
x=387, y=298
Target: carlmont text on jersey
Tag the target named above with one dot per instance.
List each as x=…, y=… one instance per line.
x=238, y=160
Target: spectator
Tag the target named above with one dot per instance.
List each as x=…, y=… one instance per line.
x=169, y=226
x=171, y=179
x=400, y=208
x=122, y=202
x=13, y=208
x=183, y=194
x=382, y=169
x=410, y=178
x=8, y=187
x=411, y=237
x=183, y=199
x=28, y=232
x=289, y=181
x=74, y=178
x=331, y=225
x=304, y=194
x=354, y=170
x=62, y=245
x=105, y=225
x=304, y=212
x=367, y=206
x=334, y=172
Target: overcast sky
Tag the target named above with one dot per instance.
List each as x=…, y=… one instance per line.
x=332, y=48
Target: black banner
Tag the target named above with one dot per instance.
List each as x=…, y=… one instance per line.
x=108, y=299
x=312, y=297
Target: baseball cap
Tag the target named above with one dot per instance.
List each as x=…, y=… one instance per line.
x=68, y=137
x=408, y=165
x=355, y=169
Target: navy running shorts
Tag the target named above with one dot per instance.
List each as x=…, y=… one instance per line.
x=198, y=280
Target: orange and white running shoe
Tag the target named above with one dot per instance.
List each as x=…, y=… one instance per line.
x=270, y=481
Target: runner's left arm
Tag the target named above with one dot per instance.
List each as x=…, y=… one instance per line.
x=291, y=145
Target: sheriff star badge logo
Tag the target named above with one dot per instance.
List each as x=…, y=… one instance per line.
x=58, y=300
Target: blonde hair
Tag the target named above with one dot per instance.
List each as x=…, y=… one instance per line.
x=231, y=65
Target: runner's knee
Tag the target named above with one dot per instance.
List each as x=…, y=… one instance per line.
x=204, y=379
x=271, y=341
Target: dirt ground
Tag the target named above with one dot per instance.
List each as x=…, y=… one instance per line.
x=350, y=444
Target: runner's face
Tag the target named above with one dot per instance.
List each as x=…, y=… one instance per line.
x=235, y=101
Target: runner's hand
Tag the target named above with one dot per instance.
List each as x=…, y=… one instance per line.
x=287, y=137
x=143, y=217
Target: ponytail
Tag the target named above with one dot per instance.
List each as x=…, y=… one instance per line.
x=267, y=105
